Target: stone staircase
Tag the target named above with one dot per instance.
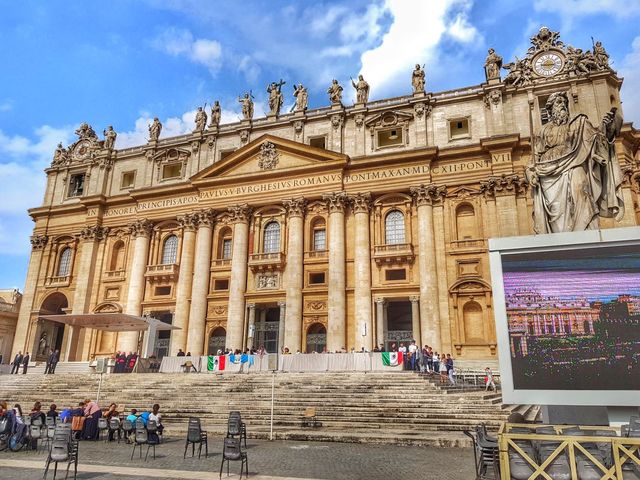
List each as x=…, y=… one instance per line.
x=373, y=407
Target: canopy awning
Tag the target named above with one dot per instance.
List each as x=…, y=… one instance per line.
x=111, y=322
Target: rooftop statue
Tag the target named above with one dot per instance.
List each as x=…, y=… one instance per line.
x=362, y=89
x=60, y=156
x=275, y=97
x=575, y=176
x=85, y=131
x=302, y=98
x=201, y=120
x=417, y=79
x=216, y=113
x=247, y=105
x=154, y=129
x=492, y=65
x=109, y=137
x=335, y=92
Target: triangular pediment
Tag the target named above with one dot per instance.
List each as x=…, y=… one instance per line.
x=271, y=155
x=389, y=119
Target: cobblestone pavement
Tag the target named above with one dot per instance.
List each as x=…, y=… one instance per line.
x=267, y=460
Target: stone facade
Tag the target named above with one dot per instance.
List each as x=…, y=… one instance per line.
x=344, y=226
x=9, y=307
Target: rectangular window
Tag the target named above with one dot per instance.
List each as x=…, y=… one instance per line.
x=459, y=128
x=222, y=284
x=318, y=142
x=319, y=239
x=128, y=179
x=316, y=278
x=172, y=170
x=389, y=138
x=163, y=291
x=226, y=248
x=76, y=185
x=395, y=275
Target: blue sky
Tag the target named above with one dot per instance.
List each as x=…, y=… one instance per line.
x=122, y=62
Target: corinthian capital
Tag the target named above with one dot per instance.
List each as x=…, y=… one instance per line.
x=141, y=228
x=240, y=213
x=335, y=201
x=205, y=217
x=428, y=194
x=188, y=221
x=295, y=207
x=504, y=185
x=93, y=232
x=38, y=242
x=361, y=202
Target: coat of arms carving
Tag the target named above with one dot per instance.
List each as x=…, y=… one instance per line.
x=268, y=157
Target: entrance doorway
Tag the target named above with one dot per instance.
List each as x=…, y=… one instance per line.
x=163, y=337
x=316, y=338
x=399, y=324
x=49, y=334
x=267, y=328
x=217, y=340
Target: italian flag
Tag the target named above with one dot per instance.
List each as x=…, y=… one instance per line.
x=392, y=359
x=216, y=363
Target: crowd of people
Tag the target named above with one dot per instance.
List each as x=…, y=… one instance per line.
x=123, y=362
x=84, y=418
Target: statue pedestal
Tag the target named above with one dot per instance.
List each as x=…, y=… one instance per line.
x=419, y=94
x=493, y=81
x=272, y=117
x=246, y=123
x=359, y=105
x=337, y=106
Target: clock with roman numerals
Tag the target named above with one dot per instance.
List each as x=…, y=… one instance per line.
x=548, y=64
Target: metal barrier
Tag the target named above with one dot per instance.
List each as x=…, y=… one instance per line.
x=624, y=451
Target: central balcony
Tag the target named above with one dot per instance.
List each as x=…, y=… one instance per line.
x=266, y=261
x=167, y=271
x=58, y=281
x=397, y=253
x=113, y=275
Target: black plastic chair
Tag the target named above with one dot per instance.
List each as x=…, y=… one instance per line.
x=139, y=439
x=114, y=427
x=232, y=452
x=236, y=427
x=485, y=454
x=195, y=434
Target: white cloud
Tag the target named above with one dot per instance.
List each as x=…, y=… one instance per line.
x=250, y=68
x=323, y=22
x=630, y=70
x=181, y=43
x=389, y=64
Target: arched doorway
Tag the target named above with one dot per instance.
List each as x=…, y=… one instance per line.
x=49, y=334
x=316, y=338
x=217, y=340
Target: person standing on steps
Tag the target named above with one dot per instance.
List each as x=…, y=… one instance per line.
x=17, y=361
x=488, y=380
x=25, y=363
x=55, y=356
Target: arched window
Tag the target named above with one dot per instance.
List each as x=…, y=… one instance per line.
x=117, y=256
x=319, y=236
x=64, y=265
x=170, y=250
x=466, y=222
x=271, y=240
x=394, y=228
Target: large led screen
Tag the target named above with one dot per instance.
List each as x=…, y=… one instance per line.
x=570, y=322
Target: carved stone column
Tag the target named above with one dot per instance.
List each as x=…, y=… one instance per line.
x=294, y=280
x=141, y=231
x=415, y=318
x=252, y=325
x=380, y=323
x=200, y=288
x=281, y=326
x=503, y=190
x=38, y=242
x=362, y=272
x=238, y=284
x=84, y=282
x=425, y=196
x=337, y=276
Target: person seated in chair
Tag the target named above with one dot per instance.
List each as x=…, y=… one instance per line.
x=110, y=413
x=36, y=413
x=156, y=416
x=132, y=417
x=53, y=411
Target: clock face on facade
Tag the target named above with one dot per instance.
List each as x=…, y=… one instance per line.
x=548, y=64
x=81, y=150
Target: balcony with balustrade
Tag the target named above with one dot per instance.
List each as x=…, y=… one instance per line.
x=114, y=275
x=393, y=254
x=163, y=272
x=266, y=261
x=57, y=281
x=467, y=245
x=218, y=264
x=316, y=256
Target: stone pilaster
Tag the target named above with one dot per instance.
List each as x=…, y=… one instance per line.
x=252, y=325
x=238, y=284
x=415, y=318
x=380, y=323
x=204, y=220
x=294, y=280
x=38, y=242
x=502, y=191
x=141, y=231
x=336, y=307
x=281, y=326
x=425, y=196
x=361, y=204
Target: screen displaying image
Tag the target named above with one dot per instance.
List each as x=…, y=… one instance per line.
x=573, y=318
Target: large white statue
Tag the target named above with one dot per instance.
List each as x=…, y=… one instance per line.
x=575, y=176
